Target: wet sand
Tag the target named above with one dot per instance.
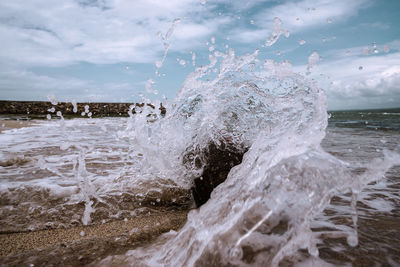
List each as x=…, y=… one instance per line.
x=80, y=245
x=13, y=124
x=84, y=244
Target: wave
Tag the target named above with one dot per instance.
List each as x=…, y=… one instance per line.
x=262, y=213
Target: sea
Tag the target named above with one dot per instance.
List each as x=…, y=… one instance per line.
x=314, y=188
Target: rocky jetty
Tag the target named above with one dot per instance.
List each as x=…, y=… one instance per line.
x=45, y=107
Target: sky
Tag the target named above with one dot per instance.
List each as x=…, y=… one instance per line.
x=109, y=50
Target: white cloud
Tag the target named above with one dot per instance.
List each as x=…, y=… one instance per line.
x=360, y=82
x=299, y=16
x=44, y=32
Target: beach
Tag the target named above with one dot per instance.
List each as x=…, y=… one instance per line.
x=84, y=244
x=42, y=222
x=13, y=124
x=74, y=246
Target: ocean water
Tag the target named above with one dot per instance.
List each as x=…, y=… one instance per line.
x=307, y=191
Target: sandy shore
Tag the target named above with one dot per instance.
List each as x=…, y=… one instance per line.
x=77, y=246
x=13, y=124
x=83, y=244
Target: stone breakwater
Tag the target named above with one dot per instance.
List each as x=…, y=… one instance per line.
x=45, y=107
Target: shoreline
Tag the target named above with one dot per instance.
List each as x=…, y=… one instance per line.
x=14, y=124
x=64, y=246
x=75, y=246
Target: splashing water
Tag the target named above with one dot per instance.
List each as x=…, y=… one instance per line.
x=312, y=60
x=262, y=214
x=166, y=40
x=276, y=32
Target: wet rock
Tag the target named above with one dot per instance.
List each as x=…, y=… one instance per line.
x=214, y=163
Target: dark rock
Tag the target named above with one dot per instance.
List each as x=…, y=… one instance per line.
x=42, y=107
x=215, y=161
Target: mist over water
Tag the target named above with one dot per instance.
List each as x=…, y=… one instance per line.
x=273, y=208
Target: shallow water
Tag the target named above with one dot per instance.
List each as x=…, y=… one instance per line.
x=37, y=178
x=378, y=206
x=274, y=207
x=48, y=173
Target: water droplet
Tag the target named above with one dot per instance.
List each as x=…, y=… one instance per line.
x=312, y=60
x=236, y=253
x=182, y=62
x=352, y=240
x=366, y=51
x=148, y=85
x=52, y=99
x=213, y=40
x=252, y=22
x=301, y=42
x=159, y=64
x=194, y=59
x=82, y=233
x=83, y=114
x=386, y=48
x=48, y=117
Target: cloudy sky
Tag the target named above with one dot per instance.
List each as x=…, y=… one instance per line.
x=107, y=50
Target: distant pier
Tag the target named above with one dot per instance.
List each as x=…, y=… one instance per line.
x=43, y=108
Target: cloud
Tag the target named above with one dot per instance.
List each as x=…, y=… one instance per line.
x=298, y=16
x=49, y=33
x=360, y=81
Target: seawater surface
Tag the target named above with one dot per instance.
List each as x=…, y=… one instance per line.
x=290, y=201
x=41, y=189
